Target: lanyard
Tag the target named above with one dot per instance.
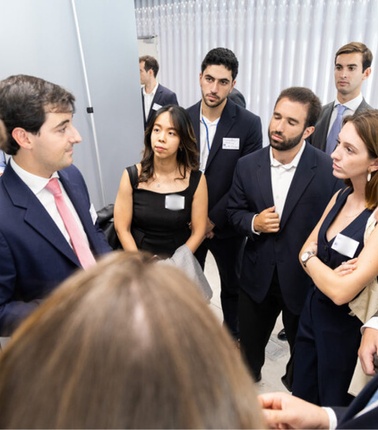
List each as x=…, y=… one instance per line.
x=207, y=134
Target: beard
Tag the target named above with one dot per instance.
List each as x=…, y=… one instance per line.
x=212, y=104
x=285, y=144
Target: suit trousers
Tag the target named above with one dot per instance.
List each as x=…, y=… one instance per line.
x=325, y=351
x=257, y=321
x=226, y=253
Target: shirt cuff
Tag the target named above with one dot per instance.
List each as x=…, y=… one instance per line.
x=332, y=418
x=253, y=230
x=371, y=323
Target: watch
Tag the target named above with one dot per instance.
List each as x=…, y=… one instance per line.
x=306, y=256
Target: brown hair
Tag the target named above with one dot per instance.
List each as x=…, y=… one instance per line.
x=307, y=98
x=350, y=48
x=150, y=63
x=25, y=101
x=127, y=344
x=366, y=125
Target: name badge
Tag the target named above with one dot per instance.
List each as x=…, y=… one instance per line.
x=174, y=202
x=231, y=143
x=156, y=106
x=345, y=245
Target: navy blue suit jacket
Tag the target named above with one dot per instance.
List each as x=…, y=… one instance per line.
x=310, y=191
x=347, y=416
x=319, y=137
x=34, y=255
x=235, y=122
x=163, y=97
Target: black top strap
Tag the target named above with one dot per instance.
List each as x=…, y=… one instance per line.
x=133, y=174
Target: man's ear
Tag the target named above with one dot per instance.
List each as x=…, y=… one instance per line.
x=308, y=132
x=21, y=136
x=367, y=72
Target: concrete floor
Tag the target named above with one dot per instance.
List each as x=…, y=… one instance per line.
x=277, y=352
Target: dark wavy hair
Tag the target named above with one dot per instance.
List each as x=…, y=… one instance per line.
x=221, y=57
x=187, y=155
x=24, y=102
x=366, y=125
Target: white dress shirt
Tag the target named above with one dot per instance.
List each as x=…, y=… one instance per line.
x=148, y=97
x=207, y=133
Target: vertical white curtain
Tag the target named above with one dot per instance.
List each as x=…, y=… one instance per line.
x=279, y=43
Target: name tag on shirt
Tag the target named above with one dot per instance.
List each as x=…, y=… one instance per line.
x=174, y=202
x=156, y=106
x=231, y=143
x=345, y=245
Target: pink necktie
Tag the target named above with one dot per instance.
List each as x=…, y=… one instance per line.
x=79, y=243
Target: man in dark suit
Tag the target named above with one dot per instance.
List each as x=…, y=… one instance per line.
x=36, y=246
x=154, y=95
x=225, y=132
x=277, y=197
x=287, y=411
x=352, y=67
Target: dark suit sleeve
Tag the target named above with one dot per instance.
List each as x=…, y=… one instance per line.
x=12, y=312
x=238, y=212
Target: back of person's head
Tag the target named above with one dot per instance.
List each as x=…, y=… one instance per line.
x=150, y=63
x=187, y=155
x=221, y=57
x=25, y=101
x=357, y=47
x=366, y=125
x=306, y=97
x=126, y=344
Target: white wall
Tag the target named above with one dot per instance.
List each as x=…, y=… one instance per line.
x=39, y=37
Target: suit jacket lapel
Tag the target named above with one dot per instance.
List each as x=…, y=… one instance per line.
x=264, y=178
x=225, y=123
x=323, y=125
x=144, y=113
x=359, y=403
x=36, y=215
x=303, y=175
x=154, y=100
x=196, y=124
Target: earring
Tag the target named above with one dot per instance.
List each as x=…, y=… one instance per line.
x=369, y=176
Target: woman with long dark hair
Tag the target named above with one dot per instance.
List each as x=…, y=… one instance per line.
x=162, y=201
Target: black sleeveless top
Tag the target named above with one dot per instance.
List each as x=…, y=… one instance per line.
x=160, y=222
x=355, y=230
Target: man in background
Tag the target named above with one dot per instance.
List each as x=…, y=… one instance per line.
x=48, y=228
x=225, y=132
x=352, y=68
x=154, y=95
